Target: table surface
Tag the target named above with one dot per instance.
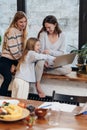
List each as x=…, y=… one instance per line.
x=67, y=120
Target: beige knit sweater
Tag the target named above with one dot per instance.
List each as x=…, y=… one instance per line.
x=13, y=49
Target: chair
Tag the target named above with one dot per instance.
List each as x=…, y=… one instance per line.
x=33, y=96
x=69, y=99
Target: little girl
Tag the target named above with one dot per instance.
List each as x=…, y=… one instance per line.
x=25, y=71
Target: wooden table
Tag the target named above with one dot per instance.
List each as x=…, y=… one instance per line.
x=67, y=120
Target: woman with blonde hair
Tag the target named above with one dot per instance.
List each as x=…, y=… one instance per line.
x=25, y=72
x=13, y=46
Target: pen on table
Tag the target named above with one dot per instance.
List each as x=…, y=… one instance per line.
x=46, y=106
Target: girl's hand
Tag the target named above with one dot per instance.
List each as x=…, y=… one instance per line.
x=54, y=59
x=46, y=64
x=46, y=52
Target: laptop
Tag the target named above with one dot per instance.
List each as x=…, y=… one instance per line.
x=62, y=60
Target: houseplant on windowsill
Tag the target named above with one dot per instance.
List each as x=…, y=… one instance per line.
x=82, y=60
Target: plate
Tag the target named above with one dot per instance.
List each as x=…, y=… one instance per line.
x=24, y=115
x=11, y=101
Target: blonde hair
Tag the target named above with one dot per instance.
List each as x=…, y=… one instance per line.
x=30, y=45
x=19, y=15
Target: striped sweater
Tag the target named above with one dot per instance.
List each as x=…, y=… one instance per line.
x=13, y=49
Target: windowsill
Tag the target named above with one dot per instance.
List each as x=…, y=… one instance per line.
x=72, y=77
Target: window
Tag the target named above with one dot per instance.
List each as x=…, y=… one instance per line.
x=7, y=11
x=67, y=13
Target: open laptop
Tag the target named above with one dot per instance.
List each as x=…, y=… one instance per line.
x=62, y=60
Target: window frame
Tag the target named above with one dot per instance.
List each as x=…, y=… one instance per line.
x=21, y=5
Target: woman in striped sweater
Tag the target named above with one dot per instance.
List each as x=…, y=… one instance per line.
x=13, y=46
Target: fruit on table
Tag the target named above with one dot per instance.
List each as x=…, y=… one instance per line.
x=12, y=112
x=22, y=104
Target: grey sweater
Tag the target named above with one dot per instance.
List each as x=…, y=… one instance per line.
x=57, y=48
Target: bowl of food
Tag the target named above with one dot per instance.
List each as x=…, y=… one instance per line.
x=40, y=113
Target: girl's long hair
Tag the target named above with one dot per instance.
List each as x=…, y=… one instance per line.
x=19, y=15
x=52, y=20
x=30, y=45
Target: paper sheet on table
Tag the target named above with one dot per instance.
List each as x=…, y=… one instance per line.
x=82, y=110
x=56, y=106
x=59, y=129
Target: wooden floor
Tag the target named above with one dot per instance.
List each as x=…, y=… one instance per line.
x=69, y=84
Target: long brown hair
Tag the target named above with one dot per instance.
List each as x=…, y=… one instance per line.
x=52, y=20
x=30, y=45
x=19, y=15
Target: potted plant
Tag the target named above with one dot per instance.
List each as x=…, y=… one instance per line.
x=82, y=58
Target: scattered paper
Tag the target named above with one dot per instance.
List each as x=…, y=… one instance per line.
x=82, y=110
x=60, y=129
x=56, y=106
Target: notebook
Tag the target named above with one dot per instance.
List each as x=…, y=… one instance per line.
x=62, y=60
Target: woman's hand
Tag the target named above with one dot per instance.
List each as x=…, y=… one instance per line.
x=13, y=69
